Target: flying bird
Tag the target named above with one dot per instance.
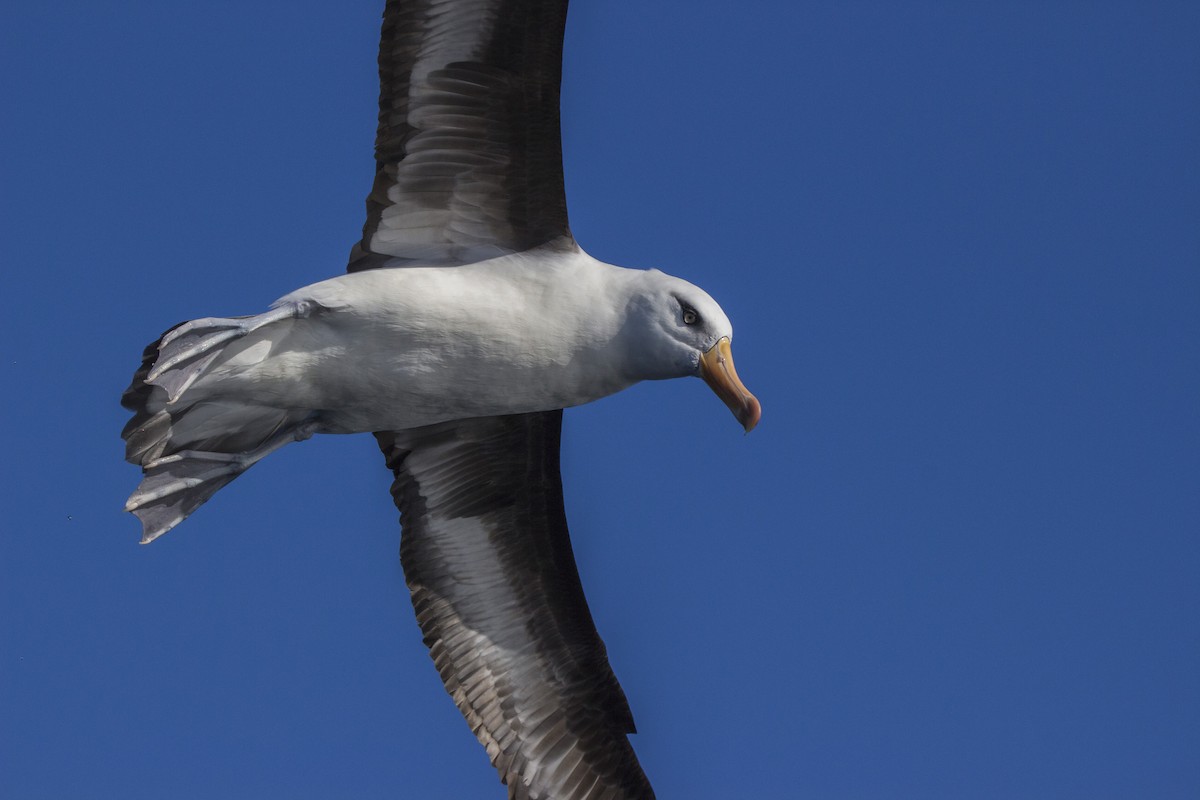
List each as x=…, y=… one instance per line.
x=467, y=320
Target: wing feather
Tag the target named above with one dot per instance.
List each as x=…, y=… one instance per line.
x=468, y=152
x=489, y=563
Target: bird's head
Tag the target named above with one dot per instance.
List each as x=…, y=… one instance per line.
x=674, y=329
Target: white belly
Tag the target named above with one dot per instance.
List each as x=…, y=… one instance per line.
x=394, y=349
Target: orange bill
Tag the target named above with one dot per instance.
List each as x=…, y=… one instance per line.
x=716, y=368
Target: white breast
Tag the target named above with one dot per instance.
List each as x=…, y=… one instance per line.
x=398, y=348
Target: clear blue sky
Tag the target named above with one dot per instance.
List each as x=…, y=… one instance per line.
x=960, y=244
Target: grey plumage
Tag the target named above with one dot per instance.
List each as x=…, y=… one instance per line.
x=468, y=151
x=489, y=563
x=190, y=446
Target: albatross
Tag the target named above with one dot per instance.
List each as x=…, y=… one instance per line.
x=467, y=320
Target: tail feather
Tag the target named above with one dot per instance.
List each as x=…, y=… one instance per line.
x=146, y=436
x=136, y=398
x=186, y=351
x=170, y=491
x=188, y=449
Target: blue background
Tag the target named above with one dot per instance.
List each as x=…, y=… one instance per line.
x=960, y=243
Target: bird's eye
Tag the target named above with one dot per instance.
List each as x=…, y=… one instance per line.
x=690, y=317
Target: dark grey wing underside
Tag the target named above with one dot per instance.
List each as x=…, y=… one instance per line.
x=488, y=560
x=468, y=151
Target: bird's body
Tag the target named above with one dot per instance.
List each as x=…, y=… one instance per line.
x=394, y=349
x=469, y=320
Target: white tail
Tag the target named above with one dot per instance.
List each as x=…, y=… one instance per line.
x=188, y=449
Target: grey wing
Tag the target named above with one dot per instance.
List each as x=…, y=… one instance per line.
x=488, y=560
x=468, y=151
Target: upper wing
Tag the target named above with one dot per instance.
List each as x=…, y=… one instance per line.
x=488, y=561
x=468, y=152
